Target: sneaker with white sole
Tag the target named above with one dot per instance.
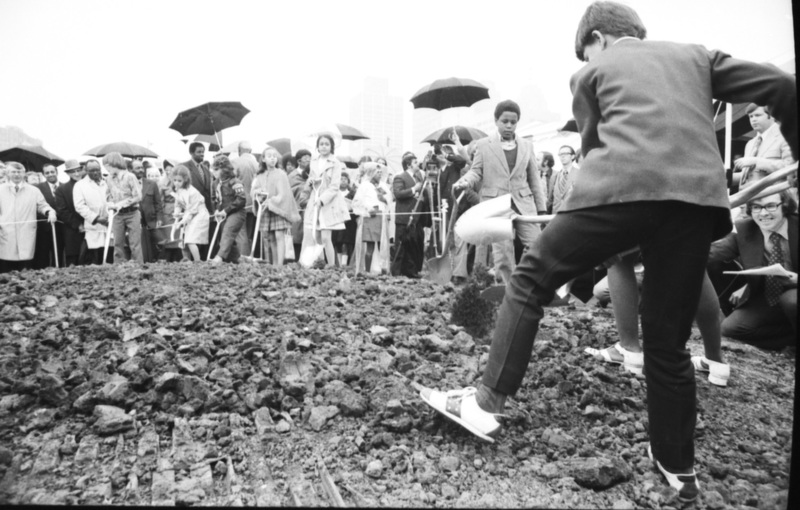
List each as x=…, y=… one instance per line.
x=718, y=373
x=632, y=361
x=462, y=407
x=687, y=485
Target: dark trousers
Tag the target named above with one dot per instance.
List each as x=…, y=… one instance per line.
x=767, y=327
x=234, y=223
x=6, y=266
x=408, y=257
x=674, y=238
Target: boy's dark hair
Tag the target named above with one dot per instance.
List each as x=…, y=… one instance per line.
x=608, y=18
x=300, y=154
x=407, y=161
x=194, y=145
x=506, y=106
x=548, y=160
x=753, y=107
x=288, y=159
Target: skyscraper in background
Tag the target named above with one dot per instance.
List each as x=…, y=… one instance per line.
x=380, y=116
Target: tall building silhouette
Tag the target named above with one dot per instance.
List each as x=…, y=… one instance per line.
x=380, y=116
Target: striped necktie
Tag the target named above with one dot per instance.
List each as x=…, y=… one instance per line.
x=773, y=288
x=753, y=154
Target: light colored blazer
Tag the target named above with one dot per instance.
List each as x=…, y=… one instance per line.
x=490, y=170
x=773, y=153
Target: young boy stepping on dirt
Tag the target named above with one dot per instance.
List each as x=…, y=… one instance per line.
x=651, y=176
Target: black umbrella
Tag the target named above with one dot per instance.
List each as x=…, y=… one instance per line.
x=343, y=131
x=450, y=92
x=465, y=135
x=129, y=150
x=348, y=161
x=571, y=126
x=209, y=118
x=31, y=156
x=212, y=141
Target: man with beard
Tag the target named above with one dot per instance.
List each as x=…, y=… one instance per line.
x=204, y=183
x=65, y=209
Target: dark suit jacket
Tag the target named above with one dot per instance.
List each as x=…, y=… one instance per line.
x=202, y=182
x=150, y=205
x=642, y=109
x=65, y=210
x=747, y=243
x=44, y=187
x=404, y=197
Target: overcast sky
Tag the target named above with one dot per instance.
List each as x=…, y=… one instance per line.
x=80, y=73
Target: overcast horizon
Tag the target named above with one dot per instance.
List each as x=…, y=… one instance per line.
x=82, y=73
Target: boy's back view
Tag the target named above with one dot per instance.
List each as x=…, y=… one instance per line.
x=652, y=176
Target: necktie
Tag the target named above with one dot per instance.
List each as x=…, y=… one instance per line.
x=563, y=185
x=773, y=288
x=16, y=188
x=753, y=153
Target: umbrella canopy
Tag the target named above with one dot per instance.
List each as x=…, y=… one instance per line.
x=288, y=146
x=209, y=118
x=129, y=150
x=348, y=161
x=31, y=156
x=465, y=135
x=449, y=93
x=342, y=131
x=233, y=148
x=570, y=126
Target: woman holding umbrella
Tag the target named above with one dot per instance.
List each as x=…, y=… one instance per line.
x=326, y=205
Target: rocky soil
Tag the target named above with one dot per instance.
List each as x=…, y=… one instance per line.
x=239, y=385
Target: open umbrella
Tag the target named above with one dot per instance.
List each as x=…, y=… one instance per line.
x=209, y=118
x=31, y=156
x=449, y=93
x=233, y=148
x=342, y=131
x=465, y=135
x=209, y=139
x=348, y=161
x=288, y=146
x=129, y=150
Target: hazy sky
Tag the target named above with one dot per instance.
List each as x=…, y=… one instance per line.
x=80, y=73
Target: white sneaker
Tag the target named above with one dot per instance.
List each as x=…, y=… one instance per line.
x=687, y=485
x=632, y=361
x=216, y=260
x=462, y=407
x=718, y=373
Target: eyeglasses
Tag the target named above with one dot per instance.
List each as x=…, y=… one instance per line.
x=757, y=208
x=565, y=154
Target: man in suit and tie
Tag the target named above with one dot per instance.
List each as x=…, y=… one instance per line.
x=72, y=221
x=152, y=214
x=44, y=254
x=766, y=313
x=505, y=163
x=561, y=181
x=408, y=255
x=766, y=152
x=204, y=183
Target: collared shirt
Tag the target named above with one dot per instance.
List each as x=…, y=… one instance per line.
x=124, y=189
x=783, y=231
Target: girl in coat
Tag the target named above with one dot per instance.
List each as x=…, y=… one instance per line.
x=190, y=213
x=271, y=188
x=326, y=210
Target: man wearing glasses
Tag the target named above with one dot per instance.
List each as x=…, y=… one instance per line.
x=561, y=181
x=65, y=209
x=766, y=313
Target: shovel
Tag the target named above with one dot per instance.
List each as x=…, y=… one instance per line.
x=492, y=221
x=111, y=214
x=252, y=258
x=312, y=252
x=440, y=269
x=55, y=244
x=214, y=239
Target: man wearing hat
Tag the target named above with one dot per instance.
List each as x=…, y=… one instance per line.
x=65, y=209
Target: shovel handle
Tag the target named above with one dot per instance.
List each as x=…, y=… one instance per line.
x=255, y=233
x=214, y=239
x=534, y=219
x=109, y=228
x=55, y=244
x=754, y=190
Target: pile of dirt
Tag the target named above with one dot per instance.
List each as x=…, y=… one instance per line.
x=253, y=385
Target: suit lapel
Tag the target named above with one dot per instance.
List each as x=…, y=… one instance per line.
x=793, y=240
x=522, y=153
x=495, y=147
x=752, y=245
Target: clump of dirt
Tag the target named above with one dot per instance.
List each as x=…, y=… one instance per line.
x=186, y=384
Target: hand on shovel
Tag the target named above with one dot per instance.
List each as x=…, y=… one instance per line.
x=220, y=216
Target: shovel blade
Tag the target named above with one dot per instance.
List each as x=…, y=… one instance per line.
x=440, y=269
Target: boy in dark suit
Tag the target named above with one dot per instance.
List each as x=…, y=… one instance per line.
x=651, y=175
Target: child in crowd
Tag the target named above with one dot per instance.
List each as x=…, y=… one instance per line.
x=369, y=205
x=230, y=199
x=271, y=188
x=190, y=213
